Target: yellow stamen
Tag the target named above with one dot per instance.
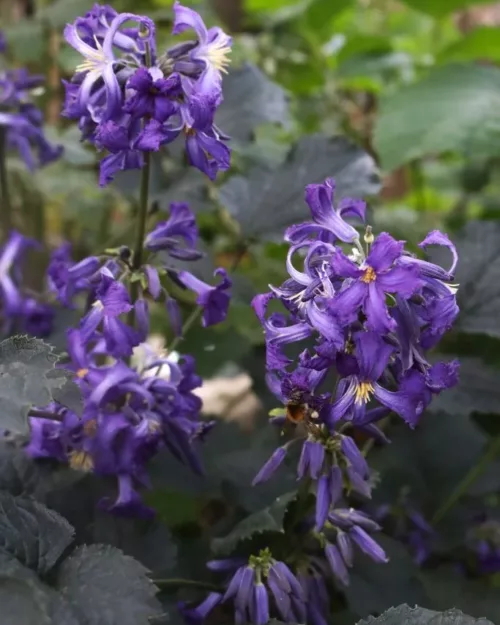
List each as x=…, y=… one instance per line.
x=369, y=275
x=218, y=57
x=90, y=427
x=363, y=392
x=81, y=373
x=81, y=461
x=94, y=60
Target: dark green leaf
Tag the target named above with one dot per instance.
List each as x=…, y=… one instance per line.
x=446, y=586
x=489, y=423
x=376, y=587
x=23, y=599
x=266, y=202
x=479, y=278
x=403, y=614
x=105, y=587
x=26, y=365
x=25, y=40
x=32, y=533
x=269, y=519
x=189, y=186
x=416, y=121
x=251, y=99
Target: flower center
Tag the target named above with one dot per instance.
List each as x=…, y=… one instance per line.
x=81, y=373
x=369, y=275
x=217, y=56
x=363, y=392
x=94, y=59
x=81, y=461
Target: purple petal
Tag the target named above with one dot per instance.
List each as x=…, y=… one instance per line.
x=322, y=502
x=366, y=543
x=385, y=250
x=372, y=354
x=261, y=605
x=347, y=303
x=440, y=238
x=337, y=564
x=402, y=280
x=270, y=466
x=377, y=313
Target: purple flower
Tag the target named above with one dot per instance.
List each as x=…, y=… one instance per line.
x=66, y=278
x=37, y=318
x=327, y=221
x=112, y=300
x=206, y=150
x=11, y=256
x=350, y=528
x=208, y=57
x=177, y=235
x=100, y=63
x=368, y=285
x=155, y=96
x=117, y=139
x=252, y=587
x=213, y=299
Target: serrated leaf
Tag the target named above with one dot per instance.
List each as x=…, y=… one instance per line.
x=251, y=99
x=440, y=8
x=416, y=121
x=105, y=587
x=403, y=614
x=269, y=519
x=267, y=201
x=23, y=599
x=479, y=278
x=24, y=365
x=32, y=533
x=376, y=587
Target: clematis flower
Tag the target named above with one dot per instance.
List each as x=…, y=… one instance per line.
x=170, y=235
x=155, y=96
x=209, y=55
x=367, y=286
x=100, y=63
x=112, y=300
x=66, y=278
x=213, y=299
x=327, y=221
x=11, y=256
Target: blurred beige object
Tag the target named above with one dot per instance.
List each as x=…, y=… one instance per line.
x=230, y=398
x=483, y=15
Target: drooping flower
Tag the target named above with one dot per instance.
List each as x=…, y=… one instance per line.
x=213, y=299
x=258, y=588
x=177, y=236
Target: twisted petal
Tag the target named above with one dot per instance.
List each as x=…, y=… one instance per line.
x=385, y=250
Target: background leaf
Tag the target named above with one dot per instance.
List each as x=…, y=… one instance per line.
x=415, y=121
x=266, y=202
x=107, y=588
x=32, y=533
x=251, y=99
x=422, y=616
x=25, y=368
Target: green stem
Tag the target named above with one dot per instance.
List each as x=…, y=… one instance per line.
x=196, y=313
x=489, y=455
x=141, y=231
x=174, y=582
x=6, y=208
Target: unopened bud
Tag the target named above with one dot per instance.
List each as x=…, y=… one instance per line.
x=369, y=238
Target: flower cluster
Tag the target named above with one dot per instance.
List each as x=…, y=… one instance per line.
x=368, y=313
x=21, y=311
x=129, y=414
x=21, y=120
x=128, y=100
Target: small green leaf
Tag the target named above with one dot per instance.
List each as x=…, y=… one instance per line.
x=277, y=412
x=480, y=44
x=267, y=520
x=174, y=508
